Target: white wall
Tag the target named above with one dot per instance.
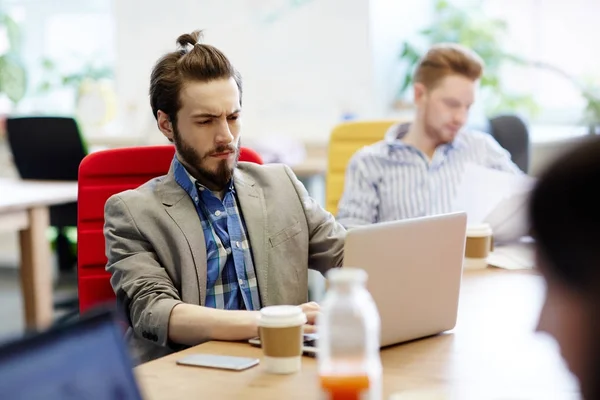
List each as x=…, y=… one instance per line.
x=301, y=72
x=561, y=33
x=391, y=23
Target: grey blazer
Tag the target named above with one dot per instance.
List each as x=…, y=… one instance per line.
x=157, y=254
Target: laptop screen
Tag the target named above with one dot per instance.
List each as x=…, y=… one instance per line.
x=87, y=360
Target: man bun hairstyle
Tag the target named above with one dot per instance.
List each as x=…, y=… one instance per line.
x=193, y=61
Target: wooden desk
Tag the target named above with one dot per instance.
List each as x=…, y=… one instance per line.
x=315, y=163
x=493, y=353
x=310, y=167
x=24, y=208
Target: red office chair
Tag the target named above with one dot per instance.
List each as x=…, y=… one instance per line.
x=102, y=174
x=249, y=155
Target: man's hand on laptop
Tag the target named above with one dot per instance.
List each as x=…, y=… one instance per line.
x=311, y=309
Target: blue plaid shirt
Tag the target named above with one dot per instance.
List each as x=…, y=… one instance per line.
x=231, y=280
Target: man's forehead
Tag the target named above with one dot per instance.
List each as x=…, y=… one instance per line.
x=460, y=89
x=214, y=97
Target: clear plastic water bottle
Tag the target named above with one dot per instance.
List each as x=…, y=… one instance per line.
x=349, y=328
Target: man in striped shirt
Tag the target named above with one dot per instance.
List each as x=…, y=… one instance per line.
x=416, y=169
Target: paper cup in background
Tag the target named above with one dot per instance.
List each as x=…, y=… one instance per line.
x=478, y=246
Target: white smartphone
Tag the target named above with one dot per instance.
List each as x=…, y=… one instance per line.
x=218, y=361
x=309, y=347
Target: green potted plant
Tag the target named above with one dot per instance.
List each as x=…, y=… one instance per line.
x=94, y=96
x=591, y=93
x=53, y=78
x=13, y=76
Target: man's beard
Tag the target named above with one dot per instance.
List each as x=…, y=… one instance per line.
x=214, y=180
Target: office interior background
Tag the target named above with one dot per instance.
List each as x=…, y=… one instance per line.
x=307, y=65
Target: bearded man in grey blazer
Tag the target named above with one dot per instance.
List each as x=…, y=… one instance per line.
x=194, y=254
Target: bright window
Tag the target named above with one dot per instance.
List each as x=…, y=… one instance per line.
x=560, y=33
x=75, y=37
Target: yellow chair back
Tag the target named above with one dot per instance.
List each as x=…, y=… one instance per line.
x=345, y=140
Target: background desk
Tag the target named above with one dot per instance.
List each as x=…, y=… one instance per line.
x=493, y=353
x=24, y=208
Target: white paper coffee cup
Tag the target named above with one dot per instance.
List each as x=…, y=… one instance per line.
x=478, y=246
x=280, y=329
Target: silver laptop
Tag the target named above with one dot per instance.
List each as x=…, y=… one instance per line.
x=415, y=269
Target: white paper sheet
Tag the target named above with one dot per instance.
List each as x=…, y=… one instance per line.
x=496, y=197
x=519, y=255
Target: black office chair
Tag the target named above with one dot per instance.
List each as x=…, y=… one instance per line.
x=50, y=148
x=511, y=133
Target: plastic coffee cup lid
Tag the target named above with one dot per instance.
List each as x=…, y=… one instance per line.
x=479, y=230
x=281, y=316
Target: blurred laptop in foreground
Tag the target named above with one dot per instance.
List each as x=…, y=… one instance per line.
x=84, y=360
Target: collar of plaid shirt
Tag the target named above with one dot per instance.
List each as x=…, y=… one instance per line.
x=231, y=278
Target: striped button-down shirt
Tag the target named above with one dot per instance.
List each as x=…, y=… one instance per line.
x=391, y=180
x=231, y=279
